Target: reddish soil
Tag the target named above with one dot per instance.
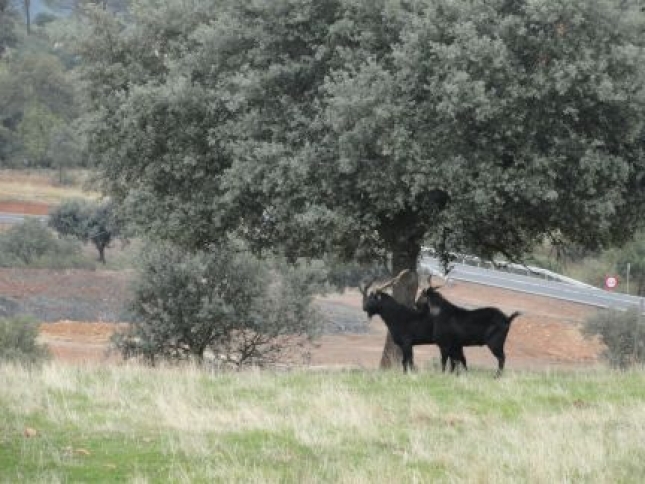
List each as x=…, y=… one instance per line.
x=75, y=341
x=546, y=335
x=25, y=208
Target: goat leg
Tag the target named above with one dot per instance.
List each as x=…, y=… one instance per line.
x=444, y=358
x=407, y=358
x=501, y=359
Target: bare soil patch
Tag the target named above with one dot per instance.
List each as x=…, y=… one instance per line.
x=73, y=294
x=79, y=341
x=24, y=208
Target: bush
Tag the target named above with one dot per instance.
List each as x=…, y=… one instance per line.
x=622, y=335
x=31, y=244
x=18, y=341
x=633, y=253
x=88, y=221
x=220, y=301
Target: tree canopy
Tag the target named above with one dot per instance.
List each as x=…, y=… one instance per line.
x=37, y=100
x=87, y=221
x=365, y=129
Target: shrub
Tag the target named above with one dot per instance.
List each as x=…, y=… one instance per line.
x=222, y=301
x=622, y=333
x=31, y=244
x=88, y=221
x=633, y=254
x=18, y=341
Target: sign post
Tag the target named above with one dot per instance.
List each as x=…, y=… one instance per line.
x=637, y=345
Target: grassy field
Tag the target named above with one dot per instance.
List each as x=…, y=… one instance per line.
x=41, y=186
x=134, y=424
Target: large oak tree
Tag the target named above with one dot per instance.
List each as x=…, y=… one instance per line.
x=364, y=128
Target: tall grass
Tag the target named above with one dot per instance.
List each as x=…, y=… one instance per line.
x=134, y=424
x=42, y=186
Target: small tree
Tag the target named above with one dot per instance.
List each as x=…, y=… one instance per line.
x=18, y=341
x=64, y=151
x=622, y=335
x=88, y=221
x=241, y=309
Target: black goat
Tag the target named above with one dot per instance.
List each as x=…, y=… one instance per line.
x=408, y=327
x=456, y=327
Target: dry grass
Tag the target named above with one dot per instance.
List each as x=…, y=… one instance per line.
x=40, y=186
x=135, y=424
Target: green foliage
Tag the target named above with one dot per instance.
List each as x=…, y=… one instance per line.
x=37, y=126
x=31, y=244
x=37, y=103
x=592, y=267
x=70, y=217
x=18, y=341
x=26, y=242
x=64, y=151
x=341, y=274
x=363, y=129
x=7, y=19
x=622, y=332
x=242, y=310
x=88, y=221
x=633, y=253
x=44, y=18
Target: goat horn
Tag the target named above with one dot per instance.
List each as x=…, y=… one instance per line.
x=367, y=286
x=393, y=281
x=430, y=286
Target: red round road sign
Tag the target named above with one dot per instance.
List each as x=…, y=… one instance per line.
x=611, y=282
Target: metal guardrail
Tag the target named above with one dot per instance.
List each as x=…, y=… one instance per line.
x=504, y=266
x=552, y=288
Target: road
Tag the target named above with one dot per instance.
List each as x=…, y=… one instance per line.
x=534, y=285
x=15, y=218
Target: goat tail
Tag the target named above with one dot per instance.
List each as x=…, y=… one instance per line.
x=513, y=316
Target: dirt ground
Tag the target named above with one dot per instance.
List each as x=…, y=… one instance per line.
x=545, y=335
x=24, y=208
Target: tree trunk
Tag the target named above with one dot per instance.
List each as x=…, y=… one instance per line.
x=27, y=6
x=405, y=292
x=101, y=249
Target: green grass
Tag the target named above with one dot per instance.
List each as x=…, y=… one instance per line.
x=134, y=424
